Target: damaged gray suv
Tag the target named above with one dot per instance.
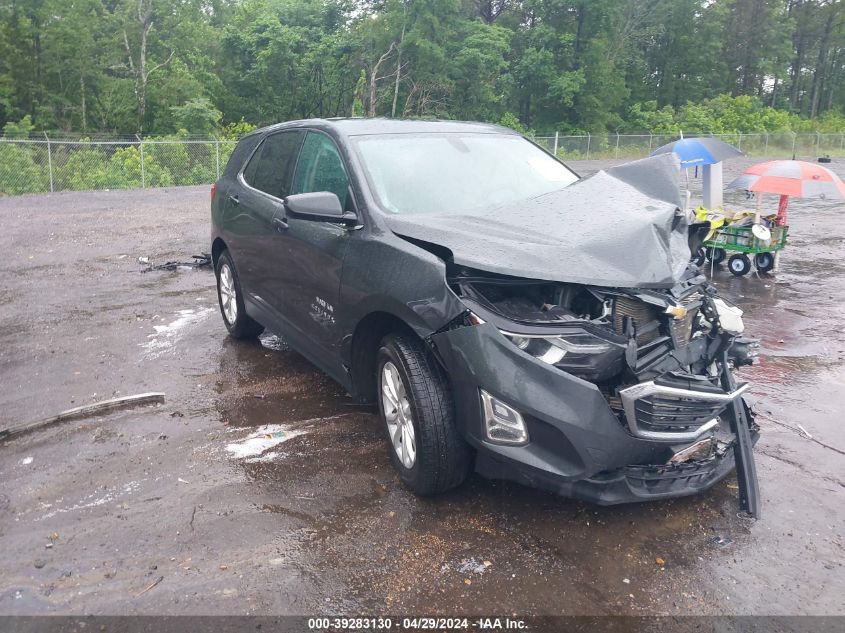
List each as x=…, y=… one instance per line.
x=504, y=314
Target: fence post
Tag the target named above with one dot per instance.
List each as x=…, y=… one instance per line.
x=766, y=151
x=617, y=145
x=650, y=137
x=217, y=155
x=818, y=144
x=588, y=146
x=141, y=150
x=556, y=140
x=49, y=160
x=739, y=145
x=794, y=138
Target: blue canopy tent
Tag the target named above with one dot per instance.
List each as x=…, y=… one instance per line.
x=706, y=152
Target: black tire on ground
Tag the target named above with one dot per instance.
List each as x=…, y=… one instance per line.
x=717, y=255
x=699, y=257
x=443, y=459
x=239, y=323
x=764, y=262
x=739, y=265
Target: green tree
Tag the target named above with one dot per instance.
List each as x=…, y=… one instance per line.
x=158, y=66
x=197, y=116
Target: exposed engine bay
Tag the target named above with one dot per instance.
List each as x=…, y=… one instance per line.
x=663, y=359
x=629, y=335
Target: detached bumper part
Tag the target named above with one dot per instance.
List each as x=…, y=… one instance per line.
x=648, y=483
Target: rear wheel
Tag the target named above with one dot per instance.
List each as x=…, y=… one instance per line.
x=230, y=298
x=739, y=265
x=416, y=407
x=764, y=262
x=699, y=257
x=717, y=255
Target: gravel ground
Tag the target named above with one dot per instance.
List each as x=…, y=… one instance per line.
x=174, y=509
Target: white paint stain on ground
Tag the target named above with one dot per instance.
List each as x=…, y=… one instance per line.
x=26, y=461
x=473, y=566
x=262, y=439
x=166, y=336
x=266, y=457
x=97, y=499
x=467, y=566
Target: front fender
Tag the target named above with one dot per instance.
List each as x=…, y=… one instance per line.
x=385, y=273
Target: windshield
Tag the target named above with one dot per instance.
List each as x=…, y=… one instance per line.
x=457, y=173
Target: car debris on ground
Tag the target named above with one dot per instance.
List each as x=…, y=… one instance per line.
x=153, y=397
x=202, y=260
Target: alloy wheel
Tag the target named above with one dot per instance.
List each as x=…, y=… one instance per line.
x=397, y=414
x=228, y=294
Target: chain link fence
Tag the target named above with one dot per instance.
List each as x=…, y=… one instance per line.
x=42, y=164
x=630, y=146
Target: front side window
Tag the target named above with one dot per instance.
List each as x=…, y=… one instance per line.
x=320, y=168
x=271, y=167
x=457, y=173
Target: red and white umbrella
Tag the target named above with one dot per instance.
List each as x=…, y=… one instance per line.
x=790, y=178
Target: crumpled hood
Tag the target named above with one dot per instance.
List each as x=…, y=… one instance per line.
x=621, y=227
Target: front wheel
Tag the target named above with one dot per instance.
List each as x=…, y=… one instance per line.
x=416, y=408
x=230, y=298
x=739, y=265
x=764, y=262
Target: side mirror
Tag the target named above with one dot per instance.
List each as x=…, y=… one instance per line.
x=319, y=206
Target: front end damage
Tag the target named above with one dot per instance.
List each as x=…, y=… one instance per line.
x=606, y=394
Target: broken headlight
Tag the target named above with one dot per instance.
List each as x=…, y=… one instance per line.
x=575, y=351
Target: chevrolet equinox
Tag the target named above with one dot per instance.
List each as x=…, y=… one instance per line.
x=506, y=315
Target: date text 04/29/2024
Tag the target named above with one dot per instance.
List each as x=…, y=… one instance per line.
x=415, y=624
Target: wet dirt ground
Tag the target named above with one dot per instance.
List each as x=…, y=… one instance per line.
x=260, y=488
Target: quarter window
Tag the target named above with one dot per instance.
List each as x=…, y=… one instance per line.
x=271, y=167
x=320, y=168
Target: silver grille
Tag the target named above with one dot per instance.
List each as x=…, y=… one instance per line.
x=659, y=412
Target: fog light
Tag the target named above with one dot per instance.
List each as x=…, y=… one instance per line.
x=502, y=423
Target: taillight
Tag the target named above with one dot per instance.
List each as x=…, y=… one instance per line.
x=213, y=191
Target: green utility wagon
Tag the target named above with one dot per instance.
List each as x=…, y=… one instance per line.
x=742, y=241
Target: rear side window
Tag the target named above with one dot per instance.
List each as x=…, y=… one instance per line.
x=320, y=168
x=271, y=167
x=239, y=155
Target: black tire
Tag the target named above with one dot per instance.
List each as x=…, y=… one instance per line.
x=764, y=262
x=442, y=458
x=699, y=257
x=240, y=325
x=739, y=265
x=717, y=255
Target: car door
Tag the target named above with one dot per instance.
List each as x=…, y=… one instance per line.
x=265, y=181
x=307, y=268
